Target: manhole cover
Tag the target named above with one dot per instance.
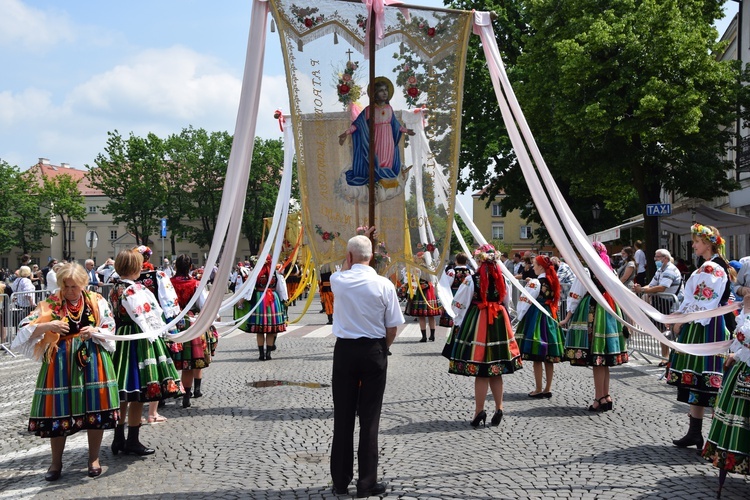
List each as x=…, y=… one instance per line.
x=273, y=383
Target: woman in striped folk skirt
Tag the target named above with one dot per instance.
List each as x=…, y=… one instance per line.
x=145, y=371
x=193, y=356
x=539, y=335
x=267, y=304
x=76, y=388
x=482, y=344
x=425, y=305
x=698, y=378
x=595, y=337
x=728, y=443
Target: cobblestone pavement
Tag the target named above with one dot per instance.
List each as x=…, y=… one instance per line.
x=238, y=441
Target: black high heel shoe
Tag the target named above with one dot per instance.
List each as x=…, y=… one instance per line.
x=496, y=418
x=481, y=417
x=607, y=405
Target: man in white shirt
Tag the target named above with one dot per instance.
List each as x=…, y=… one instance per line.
x=365, y=320
x=640, y=262
x=106, y=270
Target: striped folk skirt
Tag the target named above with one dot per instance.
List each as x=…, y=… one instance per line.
x=68, y=399
x=540, y=337
x=268, y=317
x=595, y=337
x=728, y=443
x=424, y=303
x=145, y=370
x=698, y=378
x=195, y=354
x=478, y=349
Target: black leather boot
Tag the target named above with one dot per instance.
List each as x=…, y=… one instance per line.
x=424, y=336
x=330, y=319
x=432, y=335
x=262, y=353
x=118, y=444
x=694, y=435
x=197, y=392
x=186, y=398
x=133, y=445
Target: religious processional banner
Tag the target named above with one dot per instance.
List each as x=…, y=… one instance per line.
x=419, y=67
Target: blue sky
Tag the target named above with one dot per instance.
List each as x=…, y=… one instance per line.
x=72, y=71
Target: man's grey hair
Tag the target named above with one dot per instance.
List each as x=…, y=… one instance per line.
x=89, y=261
x=665, y=253
x=360, y=248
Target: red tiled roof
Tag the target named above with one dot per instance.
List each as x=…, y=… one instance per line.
x=84, y=184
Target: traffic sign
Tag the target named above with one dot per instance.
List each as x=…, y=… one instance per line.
x=659, y=209
x=91, y=239
x=164, y=227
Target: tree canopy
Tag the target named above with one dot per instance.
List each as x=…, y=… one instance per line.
x=624, y=97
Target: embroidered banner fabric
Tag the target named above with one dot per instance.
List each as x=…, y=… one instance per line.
x=419, y=63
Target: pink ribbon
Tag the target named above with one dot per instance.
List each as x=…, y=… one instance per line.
x=378, y=7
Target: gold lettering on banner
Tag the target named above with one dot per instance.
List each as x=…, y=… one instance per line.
x=417, y=221
x=336, y=217
x=321, y=145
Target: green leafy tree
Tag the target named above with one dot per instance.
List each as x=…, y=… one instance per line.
x=63, y=199
x=262, y=188
x=8, y=217
x=130, y=172
x=194, y=185
x=625, y=98
x=22, y=223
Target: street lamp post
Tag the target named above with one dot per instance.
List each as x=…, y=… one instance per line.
x=596, y=211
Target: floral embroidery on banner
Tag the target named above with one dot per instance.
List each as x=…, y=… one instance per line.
x=306, y=15
x=326, y=235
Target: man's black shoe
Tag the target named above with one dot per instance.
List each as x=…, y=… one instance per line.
x=341, y=491
x=376, y=490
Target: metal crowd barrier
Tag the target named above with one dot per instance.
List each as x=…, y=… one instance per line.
x=102, y=288
x=5, y=333
x=14, y=309
x=644, y=344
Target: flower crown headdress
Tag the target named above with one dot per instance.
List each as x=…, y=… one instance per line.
x=485, y=252
x=707, y=233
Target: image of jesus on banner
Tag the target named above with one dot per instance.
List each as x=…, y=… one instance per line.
x=389, y=176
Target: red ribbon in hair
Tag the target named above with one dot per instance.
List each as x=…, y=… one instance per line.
x=554, y=282
x=487, y=269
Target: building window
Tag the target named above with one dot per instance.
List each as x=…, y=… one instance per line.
x=113, y=234
x=92, y=209
x=527, y=232
x=498, y=231
x=497, y=210
x=72, y=236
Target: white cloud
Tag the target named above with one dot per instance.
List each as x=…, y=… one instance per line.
x=175, y=81
x=33, y=29
x=28, y=106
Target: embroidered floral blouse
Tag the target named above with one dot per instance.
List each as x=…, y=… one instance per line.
x=536, y=288
x=54, y=304
x=704, y=290
x=741, y=344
